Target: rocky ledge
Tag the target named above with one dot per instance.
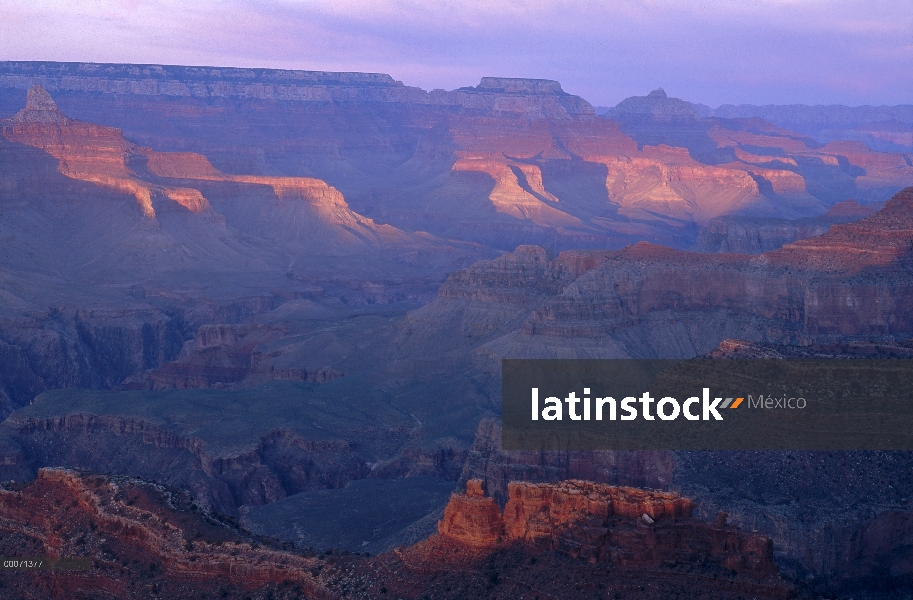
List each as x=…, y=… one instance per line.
x=144, y=540
x=621, y=526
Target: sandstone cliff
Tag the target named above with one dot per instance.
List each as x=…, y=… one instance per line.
x=803, y=501
x=621, y=526
x=144, y=540
x=798, y=292
x=506, y=162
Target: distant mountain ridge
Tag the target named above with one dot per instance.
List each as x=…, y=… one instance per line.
x=269, y=84
x=509, y=161
x=881, y=128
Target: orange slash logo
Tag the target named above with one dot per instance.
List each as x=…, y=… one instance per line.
x=730, y=404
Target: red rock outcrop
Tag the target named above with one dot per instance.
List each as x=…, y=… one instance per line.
x=473, y=518
x=624, y=526
x=140, y=540
x=144, y=540
x=848, y=281
x=809, y=500
x=89, y=152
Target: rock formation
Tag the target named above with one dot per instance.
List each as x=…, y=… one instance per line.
x=802, y=501
x=473, y=518
x=883, y=128
x=833, y=290
x=140, y=540
x=745, y=235
x=262, y=235
x=797, y=292
x=101, y=155
x=653, y=301
x=100, y=231
x=785, y=164
x=622, y=526
x=506, y=162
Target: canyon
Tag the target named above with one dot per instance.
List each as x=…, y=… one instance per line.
x=578, y=304
x=270, y=293
x=506, y=162
x=141, y=539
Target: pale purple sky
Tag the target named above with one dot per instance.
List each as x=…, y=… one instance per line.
x=716, y=52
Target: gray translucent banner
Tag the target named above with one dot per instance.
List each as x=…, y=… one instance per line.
x=705, y=404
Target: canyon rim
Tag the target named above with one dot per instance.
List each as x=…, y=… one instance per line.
x=252, y=323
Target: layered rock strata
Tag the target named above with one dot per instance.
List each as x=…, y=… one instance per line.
x=803, y=501
x=754, y=236
x=506, y=162
x=140, y=540
x=851, y=281
x=143, y=540
x=277, y=464
x=600, y=523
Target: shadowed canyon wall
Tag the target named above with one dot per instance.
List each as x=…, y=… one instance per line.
x=267, y=284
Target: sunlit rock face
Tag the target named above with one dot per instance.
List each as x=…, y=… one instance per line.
x=505, y=162
x=190, y=234
x=93, y=221
x=623, y=526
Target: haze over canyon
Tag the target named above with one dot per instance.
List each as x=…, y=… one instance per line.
x=251, y=324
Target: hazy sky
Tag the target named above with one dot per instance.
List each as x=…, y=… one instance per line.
x=717, y=52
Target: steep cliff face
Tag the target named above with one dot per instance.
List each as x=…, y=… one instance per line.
x=622, y=526
x=79, y=348
x=143, y=540
x=745, y=235
x=473, y=518
x=818, y=287
x=102, y=348
x=506, y=162
x=278, y=464
x=829, y=527
x=497, y=468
